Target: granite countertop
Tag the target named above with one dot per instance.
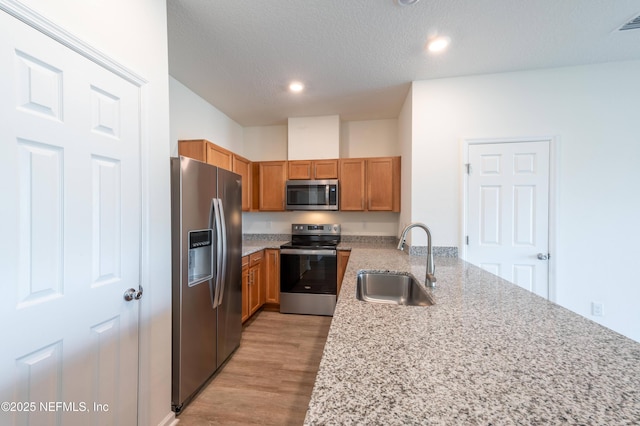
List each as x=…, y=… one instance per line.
x=488, y=352
x=254, y=246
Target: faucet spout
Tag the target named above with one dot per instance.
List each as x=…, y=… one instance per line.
x=430, y=277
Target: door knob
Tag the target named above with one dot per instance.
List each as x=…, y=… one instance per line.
x=131, y=294
x=542, y=256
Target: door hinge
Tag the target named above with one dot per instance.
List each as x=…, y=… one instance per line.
x=468, y=167
x=467, y=240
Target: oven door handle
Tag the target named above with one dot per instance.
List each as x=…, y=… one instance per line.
x=309, y=252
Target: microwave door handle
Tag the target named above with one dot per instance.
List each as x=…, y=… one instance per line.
x=326, y=194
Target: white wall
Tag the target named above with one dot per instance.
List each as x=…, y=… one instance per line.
x=313, y=137
x=369, y=138
x=266, y=143
x=405, y=138
x=593, y=111
x=194, y=118
x=135, y=35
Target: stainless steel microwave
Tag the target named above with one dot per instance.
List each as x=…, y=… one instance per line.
x=312, y=194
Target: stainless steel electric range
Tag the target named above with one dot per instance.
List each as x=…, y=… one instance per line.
x=309, y=269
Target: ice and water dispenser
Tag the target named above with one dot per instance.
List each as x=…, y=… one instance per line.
x=200, y=256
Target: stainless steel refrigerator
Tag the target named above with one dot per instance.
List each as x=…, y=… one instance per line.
x=206, y=236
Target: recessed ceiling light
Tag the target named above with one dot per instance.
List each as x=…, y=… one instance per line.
x=438, y=44
x=406, y=2
x=296, y=87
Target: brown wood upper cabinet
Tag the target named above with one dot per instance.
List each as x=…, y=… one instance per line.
x=210, y=153
x=269, y=177
x=370, y=184
x=312, y=169
x=242, y=166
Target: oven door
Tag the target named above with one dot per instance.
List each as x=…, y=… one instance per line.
x=308, y=281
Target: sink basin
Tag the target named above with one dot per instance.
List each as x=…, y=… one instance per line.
x=397, y=288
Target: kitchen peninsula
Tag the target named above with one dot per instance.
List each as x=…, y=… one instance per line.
x=488, y=352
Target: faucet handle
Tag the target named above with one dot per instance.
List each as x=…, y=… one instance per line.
x=430, y=280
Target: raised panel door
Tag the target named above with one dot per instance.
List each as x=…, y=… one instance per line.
x=272, y=276
x=508, y=218
x=195, y=149
x=383, y=189
x=325, y=169
x=218, y=156
x=273, y=175
x=242, y=166
x=245, y=288
x=71, y=231
x=256, y=282
x=352, y=184
x=299, y=169
x=254, y=288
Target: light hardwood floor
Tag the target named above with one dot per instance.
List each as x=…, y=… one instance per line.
x=269, y=379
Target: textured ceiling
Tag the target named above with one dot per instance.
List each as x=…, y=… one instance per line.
x=358, y=57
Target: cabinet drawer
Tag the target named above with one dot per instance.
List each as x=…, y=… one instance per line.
x=256, y=258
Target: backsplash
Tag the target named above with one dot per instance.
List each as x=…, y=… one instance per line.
x=364, y=239
x=437, y=251
x=266, y=237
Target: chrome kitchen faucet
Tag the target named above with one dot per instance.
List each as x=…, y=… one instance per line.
x=430, y=278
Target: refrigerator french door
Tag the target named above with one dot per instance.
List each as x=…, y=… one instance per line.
x=206, y=273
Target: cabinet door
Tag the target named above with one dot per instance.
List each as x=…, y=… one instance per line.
x=272, y=276
x=242, y=166
x=273, y=175
x=352, y=184
x=218, y=156
x=193, y=149
x=343, y=259
x=245, y=288
x=299, y=169
x=256, y=292
x=325, y=169
x=254, y=289
x=383, y=184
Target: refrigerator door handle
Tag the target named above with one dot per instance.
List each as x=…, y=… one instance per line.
x=215, y=282
x=223, y=271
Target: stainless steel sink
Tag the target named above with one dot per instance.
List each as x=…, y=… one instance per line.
x=397, y=288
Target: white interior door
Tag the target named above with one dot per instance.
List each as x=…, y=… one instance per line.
x=508, y=212
x=70, y=226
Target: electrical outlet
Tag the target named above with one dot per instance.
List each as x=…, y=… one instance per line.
x=597, y=309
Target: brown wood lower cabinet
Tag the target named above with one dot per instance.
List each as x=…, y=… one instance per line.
x=245, y=288
x=272, y=276
x=255, y=286
x=261, y=280
x=343, y=259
